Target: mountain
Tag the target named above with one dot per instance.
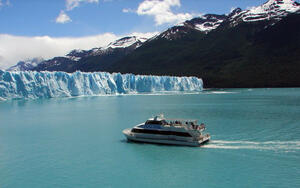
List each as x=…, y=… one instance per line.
x=273, y=10
x=26, y=65
x=96, y=59
x=92, y=60
x=258, y=47
x=203, y=24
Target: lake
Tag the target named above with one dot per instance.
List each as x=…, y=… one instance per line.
x=78, y=142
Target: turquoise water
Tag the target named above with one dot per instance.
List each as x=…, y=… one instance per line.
x=78, y=142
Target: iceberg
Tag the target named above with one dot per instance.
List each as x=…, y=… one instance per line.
x=31, y=84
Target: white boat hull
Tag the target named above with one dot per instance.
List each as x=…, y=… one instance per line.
x=162, y=139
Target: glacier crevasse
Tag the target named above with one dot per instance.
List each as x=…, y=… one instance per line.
x=29, y=84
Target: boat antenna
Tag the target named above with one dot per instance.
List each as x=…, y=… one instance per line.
x=161, y=115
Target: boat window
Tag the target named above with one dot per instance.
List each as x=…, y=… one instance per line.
x=154, y=122
x=159, y=132
x=164, y=122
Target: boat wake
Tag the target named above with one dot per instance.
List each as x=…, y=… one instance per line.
x=222, y=92
x=268, y=145
x=210, y=92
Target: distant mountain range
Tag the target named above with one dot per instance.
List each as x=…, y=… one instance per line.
x=26, y=65
x=259, y=47
x=96, y=59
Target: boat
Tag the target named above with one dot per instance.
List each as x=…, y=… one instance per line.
x=159, y=130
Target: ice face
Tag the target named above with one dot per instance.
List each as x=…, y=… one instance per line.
x=60, y=84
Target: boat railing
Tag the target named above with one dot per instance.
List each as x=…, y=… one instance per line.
x=189, y=125
x=182, y=120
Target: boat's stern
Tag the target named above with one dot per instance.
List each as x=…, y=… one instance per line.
x=204, y=139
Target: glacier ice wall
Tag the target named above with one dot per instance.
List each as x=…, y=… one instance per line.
x=60, y=84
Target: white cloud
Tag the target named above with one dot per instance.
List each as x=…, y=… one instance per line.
x=161, y=10
x=63, y=18
x=127, y=10
x=1, y=3
x=71, y=4
x=16, y=48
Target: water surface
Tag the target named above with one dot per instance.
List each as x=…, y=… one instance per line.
x=78, y=142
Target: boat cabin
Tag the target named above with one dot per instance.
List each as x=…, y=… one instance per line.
x=159, y=121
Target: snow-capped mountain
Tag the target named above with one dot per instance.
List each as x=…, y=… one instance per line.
x=132, y=42
x=127, y=42
x=258, y=47
x=273, y=10
x=93, y=59
x=203, y=24
x=26, y=65
x=73, y=60
x=209, y=22
x=77, y=54
x=231, y=50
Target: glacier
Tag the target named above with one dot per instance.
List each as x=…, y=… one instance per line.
x=31, y=84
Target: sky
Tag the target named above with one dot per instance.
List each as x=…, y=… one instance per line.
x=48, y=28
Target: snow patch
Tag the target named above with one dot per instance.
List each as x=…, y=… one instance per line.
x=208, y=26
x=26, y=65
x=269, y=10
x=126, y=42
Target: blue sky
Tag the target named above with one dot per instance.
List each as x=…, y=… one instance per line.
x=37, y=17
x=48, y=28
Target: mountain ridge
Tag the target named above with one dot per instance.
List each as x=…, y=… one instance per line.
x=224, y=50
x=232, y=55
